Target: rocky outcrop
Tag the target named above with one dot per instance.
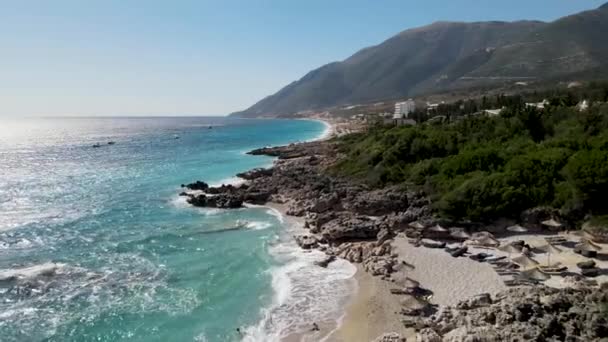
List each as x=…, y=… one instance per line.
x=221, y=201
x=307, y=241
x=379, y=202
x=350, y=228
x=255, y=173
x=522, y=314
x=198, y=185
x=345, y=219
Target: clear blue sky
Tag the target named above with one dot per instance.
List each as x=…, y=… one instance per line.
x=126, y=57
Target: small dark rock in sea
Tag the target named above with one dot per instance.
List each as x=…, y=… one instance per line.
x=198, y=185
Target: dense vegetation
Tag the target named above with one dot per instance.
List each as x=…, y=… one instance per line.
x=482, y=168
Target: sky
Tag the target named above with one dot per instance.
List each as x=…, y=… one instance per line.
x=179, y=57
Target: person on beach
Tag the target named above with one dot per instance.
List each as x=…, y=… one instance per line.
x=315, y=327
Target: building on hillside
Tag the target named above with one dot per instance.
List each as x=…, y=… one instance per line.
x=493, y=112
x=538, y=105
x=431, y=108
x=403, y=109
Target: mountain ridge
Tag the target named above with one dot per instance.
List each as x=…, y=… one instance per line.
x=449, y=55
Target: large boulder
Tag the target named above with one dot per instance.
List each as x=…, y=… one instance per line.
x=379, y=202
x=324, y=203
x=350, y=228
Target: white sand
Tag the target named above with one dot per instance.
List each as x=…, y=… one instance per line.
x=451, y=279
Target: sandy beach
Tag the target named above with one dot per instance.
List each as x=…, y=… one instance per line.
x=372, y=311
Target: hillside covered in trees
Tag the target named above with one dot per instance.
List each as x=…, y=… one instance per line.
x=482, y=168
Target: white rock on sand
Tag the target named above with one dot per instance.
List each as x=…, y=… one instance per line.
x=451, y=279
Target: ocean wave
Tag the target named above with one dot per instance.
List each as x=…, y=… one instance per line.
x=258, y=225
x=38, y=299
x=234, y=181
x=303, y=293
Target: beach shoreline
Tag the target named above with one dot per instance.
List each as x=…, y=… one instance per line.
x=327, y=328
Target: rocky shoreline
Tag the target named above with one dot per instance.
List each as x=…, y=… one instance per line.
x=357, y=223
x=344, y=219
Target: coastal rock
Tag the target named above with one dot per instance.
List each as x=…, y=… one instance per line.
x=379, y=202
x=428, y=335
x=255, y=173
x=256, y=197
x=325, y=203
x=350, y=228
x=383, y=235
x=525, y=314
x=307, y=241
x=223, y=189
x=221, y=201
x=326, y=261
x=390, y=337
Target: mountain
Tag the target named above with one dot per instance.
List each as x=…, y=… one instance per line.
x=451, y=55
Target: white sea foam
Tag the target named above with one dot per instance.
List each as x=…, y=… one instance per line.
x=234, y=181
x=181, y=202
x=258, y=225
x=30, y=272
x=303, y=292
x=327, y=131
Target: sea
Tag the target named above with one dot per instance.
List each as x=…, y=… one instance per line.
x=97, y=245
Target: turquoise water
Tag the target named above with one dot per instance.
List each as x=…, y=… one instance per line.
x=95, y=244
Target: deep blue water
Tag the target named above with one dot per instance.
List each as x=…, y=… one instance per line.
x=95, y=244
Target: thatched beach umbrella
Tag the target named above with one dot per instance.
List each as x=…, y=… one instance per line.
x=437, y=229
x=535, y=274
x=552, y=223
x=549, y=249
x=509, y=248
x=484, y=239
x=525, y=261
x=416, y=225
x=587, y=245
x=517, y=229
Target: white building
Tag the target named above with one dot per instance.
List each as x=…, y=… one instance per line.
x=538, y=105
x=403, y=109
